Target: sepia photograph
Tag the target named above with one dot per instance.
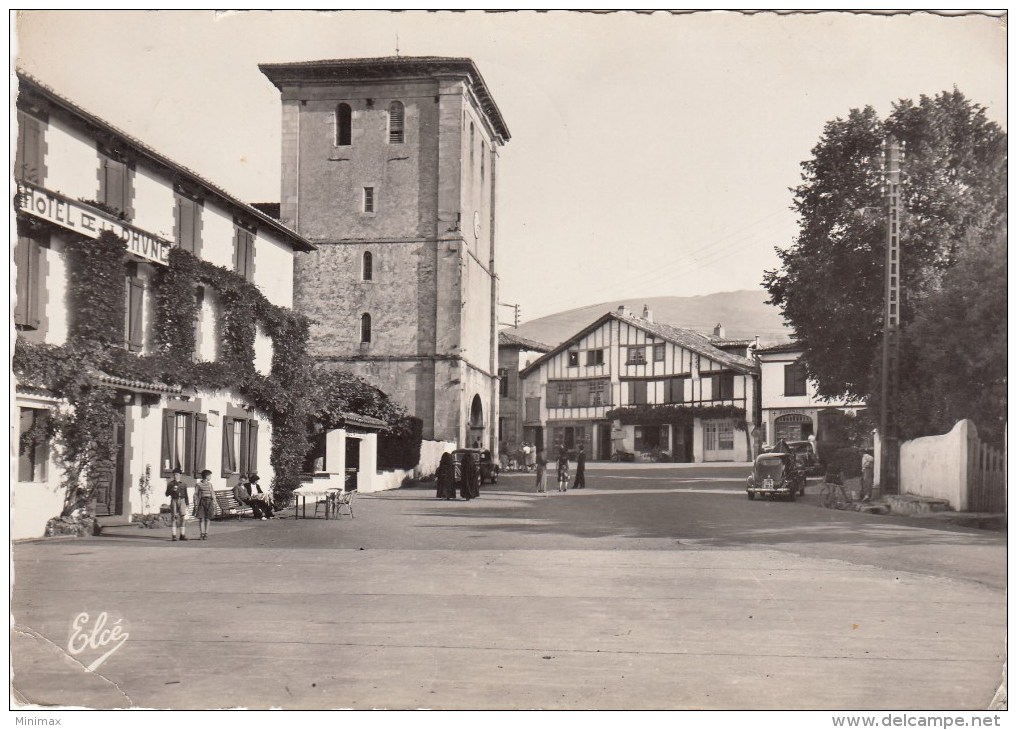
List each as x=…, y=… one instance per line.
x=505, y=360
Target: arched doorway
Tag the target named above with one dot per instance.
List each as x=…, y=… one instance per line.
x=476, y=431
x=792, y=427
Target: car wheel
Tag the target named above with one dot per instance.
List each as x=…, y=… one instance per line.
x=791, y=495
x=751, y=496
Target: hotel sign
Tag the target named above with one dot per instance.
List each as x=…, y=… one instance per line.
x=88, y=221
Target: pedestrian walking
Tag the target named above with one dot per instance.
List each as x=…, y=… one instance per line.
x=580, y=482
x=179, y=502
x=563, y=471
x=541, y=472
x=446, y=477
x=470, y=488
x=204, y=497
x=868, y=474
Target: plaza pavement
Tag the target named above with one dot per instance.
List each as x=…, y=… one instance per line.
x=498, y=603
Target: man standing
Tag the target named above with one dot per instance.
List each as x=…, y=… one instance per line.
x=580, y=482
x=179, y=503
x=868, y=474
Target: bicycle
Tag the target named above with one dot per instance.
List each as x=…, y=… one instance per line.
x=833, y=495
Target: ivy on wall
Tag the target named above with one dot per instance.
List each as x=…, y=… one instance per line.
x=84, y=433
x=675, y=415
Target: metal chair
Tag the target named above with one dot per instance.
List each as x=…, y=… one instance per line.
x=328, y=500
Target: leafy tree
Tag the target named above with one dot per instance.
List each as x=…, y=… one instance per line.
x=830, y=282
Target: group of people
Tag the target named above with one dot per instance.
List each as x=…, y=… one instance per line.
x=562, y=471
x=247, y=492
x=465, y=473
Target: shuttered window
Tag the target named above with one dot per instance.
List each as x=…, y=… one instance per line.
x=33, y=444
x=595, y=357
x=503, y=383
x=239, y=446
x=243, y=252
x=723, y=386
x=115, y=184
x=188, y=224
x=343, y=125
x=794, y=379
x=637, y=392
x=134, y=332
x=29, y=284
x=396, y=114
x=658, y=352
x=368, y=200
x=674, y=390
x=29, y=164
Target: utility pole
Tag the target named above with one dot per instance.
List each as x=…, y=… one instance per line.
x=890, y=376
x=514, y=307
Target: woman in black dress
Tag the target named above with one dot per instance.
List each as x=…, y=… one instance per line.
x=446, y=477
x=470, y=488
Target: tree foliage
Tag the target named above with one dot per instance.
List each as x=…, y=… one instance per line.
x=829, y=285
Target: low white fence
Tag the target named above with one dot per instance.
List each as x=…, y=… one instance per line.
x=956, y=467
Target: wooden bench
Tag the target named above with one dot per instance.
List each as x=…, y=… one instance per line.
x=229, y=506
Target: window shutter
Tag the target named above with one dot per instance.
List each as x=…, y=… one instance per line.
x=28, y=160
x=34, y=283
x=114, y=190
x=27, y=419
x=228, y=457
x=249, y=260
x=23, y=282
x=252, y=447
x=168, y=427
x=200, y=436
x=136, y=334
x=551, y=395
x=237, y=243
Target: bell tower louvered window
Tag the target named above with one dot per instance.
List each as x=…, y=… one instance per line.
x=365, y=328
x=396, y=118
x=368, y=266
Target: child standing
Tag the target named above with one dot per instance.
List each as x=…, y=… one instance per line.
x=179, y=503
x=204, y=496
x=563, y=472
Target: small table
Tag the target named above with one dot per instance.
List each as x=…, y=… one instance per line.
x=301, y=494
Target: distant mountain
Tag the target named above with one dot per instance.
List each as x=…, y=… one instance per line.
x=744, y=314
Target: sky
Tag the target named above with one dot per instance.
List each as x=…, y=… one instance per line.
x=651, y=154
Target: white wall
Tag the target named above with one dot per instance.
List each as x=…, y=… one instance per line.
x=55, y=306
x=33, y=504
x=273, y=269
x=936, y=466
x=217, y=235
x=72, y=162
x=154, y=203
x=262, y=352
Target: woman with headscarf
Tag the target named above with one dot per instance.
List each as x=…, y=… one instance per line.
x=446, y=477
x=470, y=488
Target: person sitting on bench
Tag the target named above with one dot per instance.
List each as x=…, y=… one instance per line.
x=243, y=496
x=260, y=501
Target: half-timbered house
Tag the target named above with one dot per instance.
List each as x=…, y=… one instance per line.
x=629, y=384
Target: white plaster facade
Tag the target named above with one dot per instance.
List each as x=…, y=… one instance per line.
x=60, y=158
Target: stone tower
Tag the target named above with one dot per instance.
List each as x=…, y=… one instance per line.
x=389, y=166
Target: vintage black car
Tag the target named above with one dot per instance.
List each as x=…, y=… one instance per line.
x=775, y=474
x=805, y=454
x=486, y=468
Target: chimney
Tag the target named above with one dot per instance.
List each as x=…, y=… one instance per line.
x=647, y=313
x=756, y=346
x=718, y=331
x=623, y=311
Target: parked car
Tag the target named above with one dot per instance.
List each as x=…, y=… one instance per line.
x=806, y=456
x=486, y=468
x=775, y=474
